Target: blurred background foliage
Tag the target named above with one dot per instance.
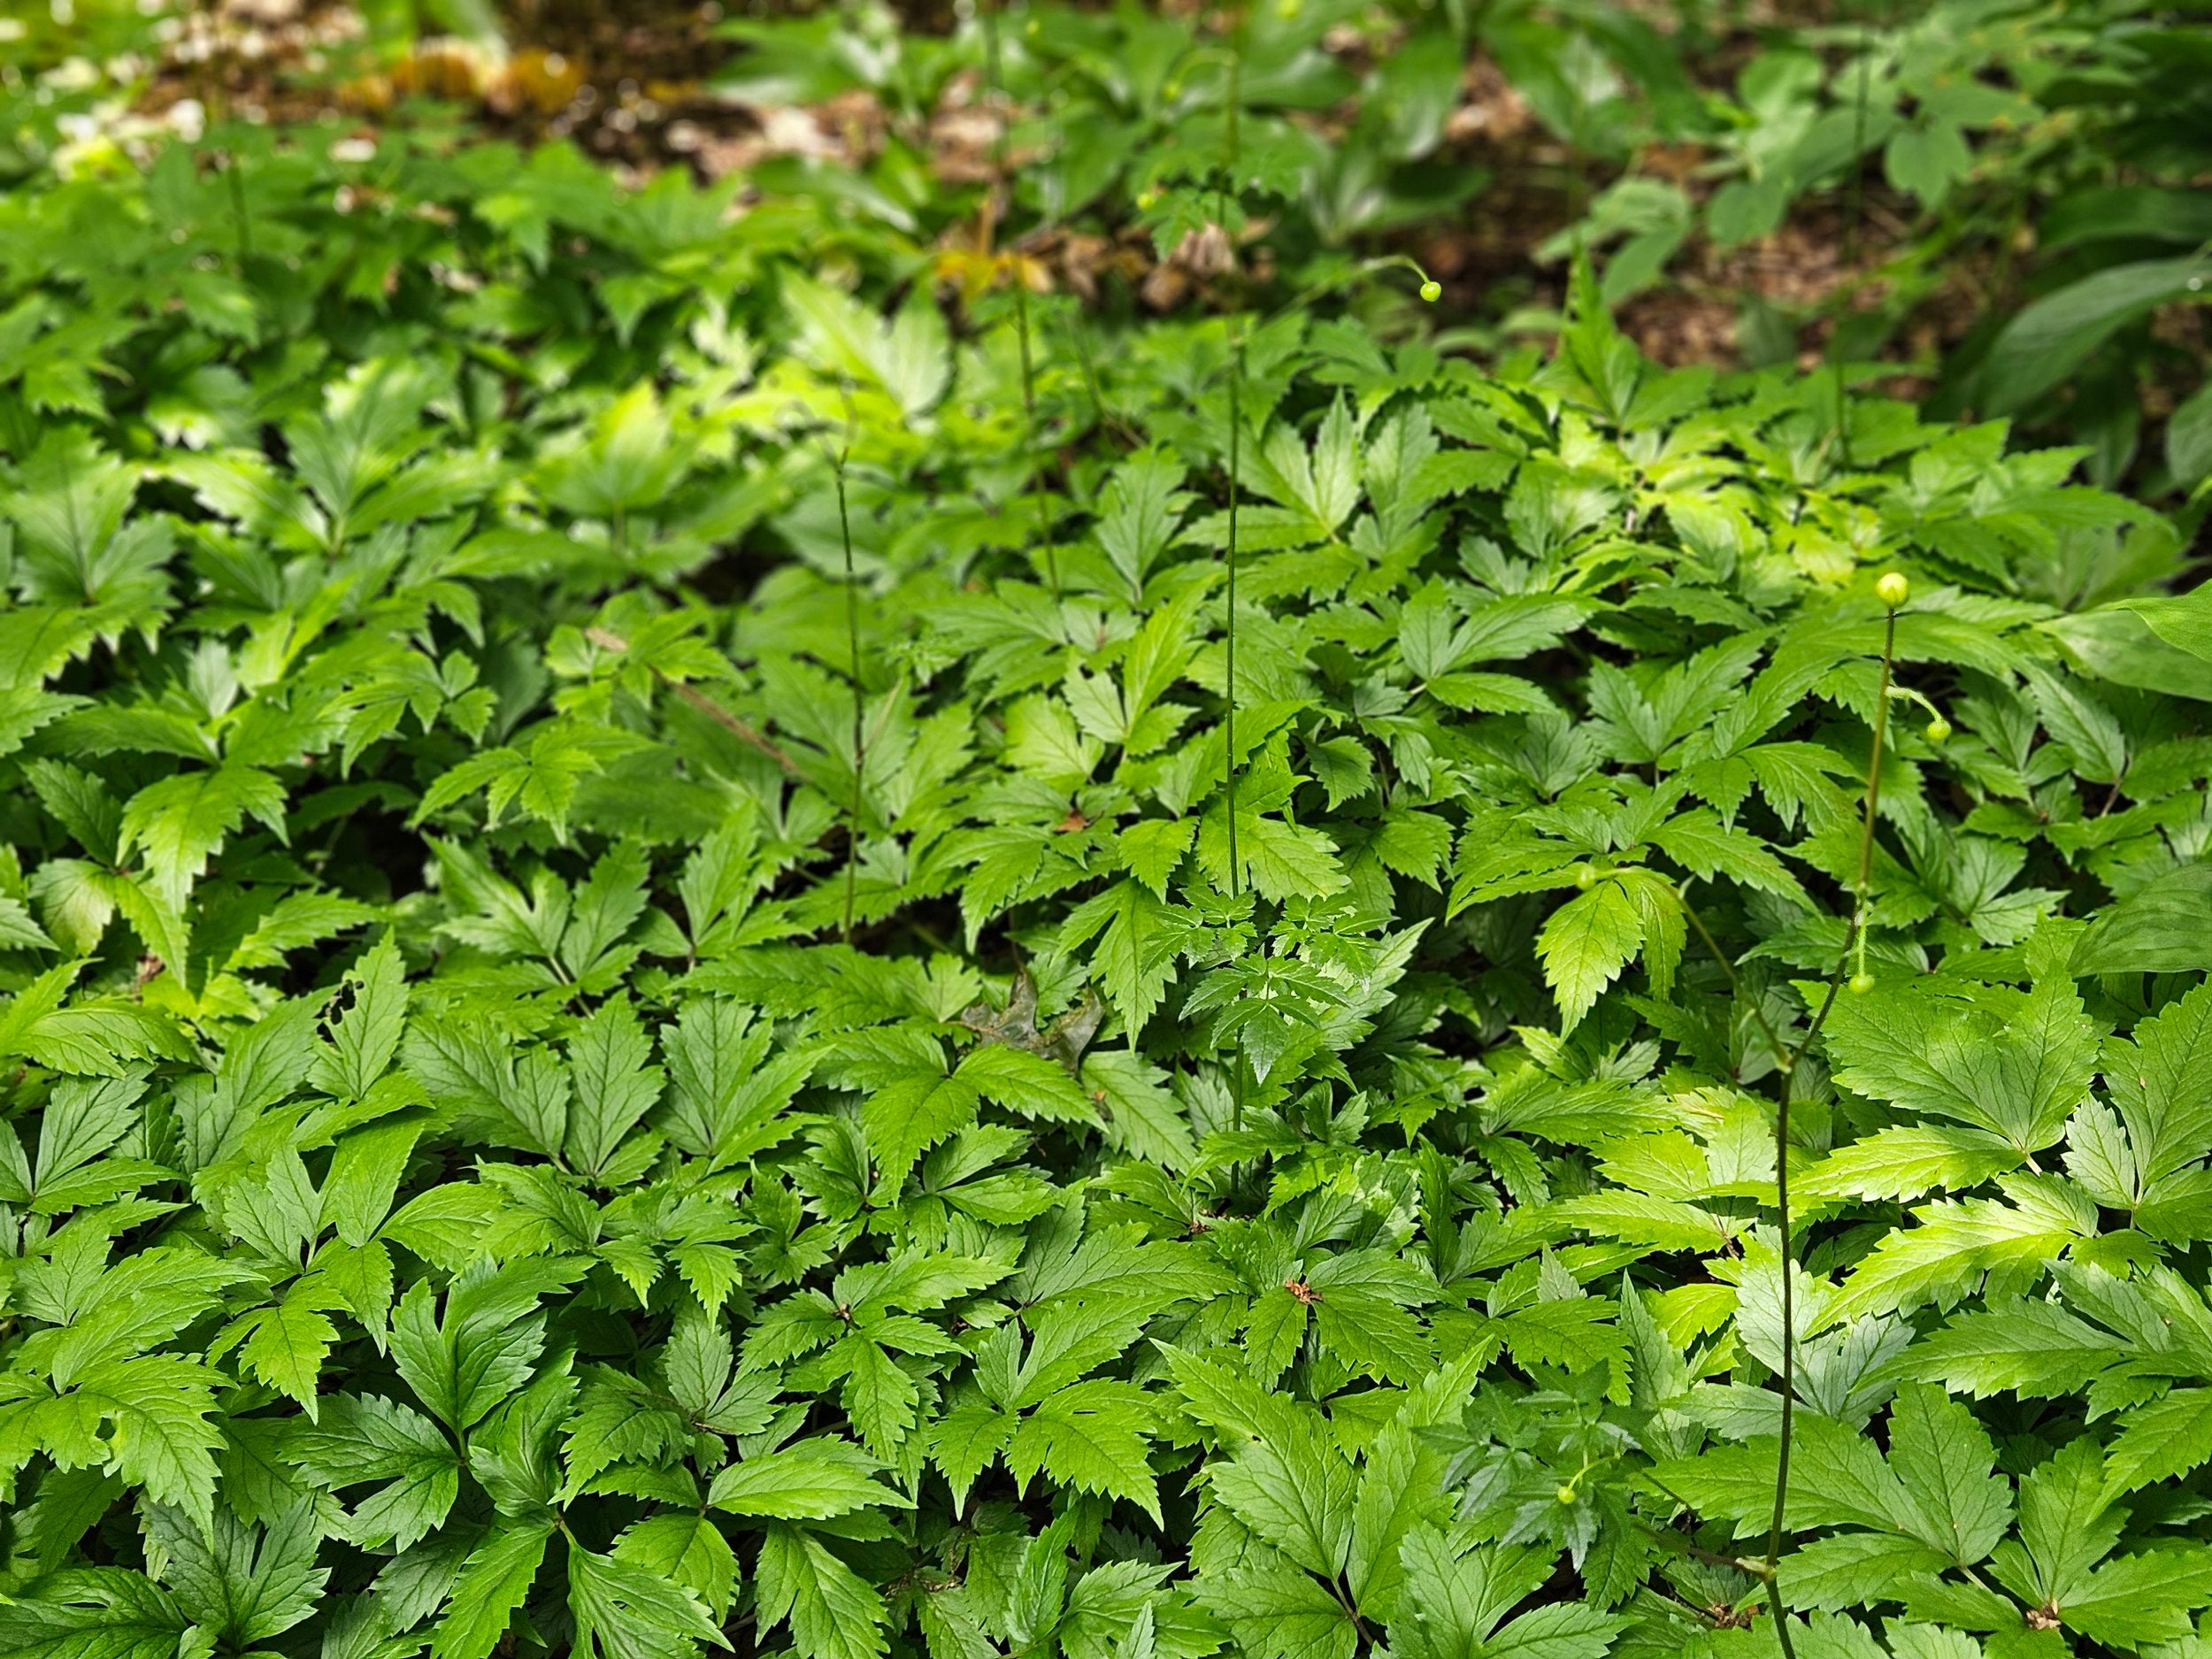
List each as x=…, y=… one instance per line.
x=2002, y=207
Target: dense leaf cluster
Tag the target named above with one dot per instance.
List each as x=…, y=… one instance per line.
x=2058, y=145
x=693, y=961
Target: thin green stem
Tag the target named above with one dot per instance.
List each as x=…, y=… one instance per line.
x=1874, y=766
x=237, y=183
x=1789, y=1355
x=1230, y=147
x=1863, y=886
x=1003, y=190
x=852, y=640
x=1232, y=142
x=1735, y=979
x=1862, y=897
x=1855, y=191
x=995, y=90
x=1853, y=213
x=1229, y=684
x=1099, y=414
x=1021, y=330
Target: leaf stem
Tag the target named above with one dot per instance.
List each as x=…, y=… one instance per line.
x=744, y=731
x=1230, y=144
x=996, y=91
x=852, y=640
x=1735, y=979
x=1861, y=894
x=1854, y=210
x=1100, y=413
x=237, y=185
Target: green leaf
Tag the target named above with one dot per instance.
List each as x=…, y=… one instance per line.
x=1848, y=1570
x=162, y=1438
x=493, y=1582
x=689, y=1550
x=831, y=1610
x=358, y=1439
x=909, y=1115
x=2189, y=439
x=614, y=1084
x=365, y=1037
x=2013, y=1065
x=1906, y=1161
x=812, y=1480
x=624, y=1612
x=98, y=1037
x=92, y=1613
x=1134, y=958
x=628, y=461
x=908, y=357
x=1297, y=1496
x=2048, y=340
x=180, y=821
x=286, y=1346
x=1585, y=945
x=1962, y=1507
x=1092, y=1438
x=1277, y=1612
x=2162, y=1440
x=2032, y=1348
x=2160, y=928
x=240, y=1582
x=2142, y=1598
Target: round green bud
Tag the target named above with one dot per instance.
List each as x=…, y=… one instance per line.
x=1938, y=730
x=1861, y=983
x=1585, y=878
x=1565, y=1494
x=1431, y=290
x=1893, y=589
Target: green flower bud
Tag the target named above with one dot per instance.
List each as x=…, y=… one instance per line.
x=1432, y=291
x=1938, y=730
x=1861, y=983
x=1892, y=590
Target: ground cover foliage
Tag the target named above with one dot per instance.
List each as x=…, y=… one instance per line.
x=2008, y=196
x=2003, y=199
x=698, y=957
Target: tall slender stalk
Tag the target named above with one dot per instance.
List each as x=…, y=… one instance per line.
x=1099, y=415
x=1230, y=146
x=1002, y=199
x=233, y=170
x=1789, y=1365
x=1854, y=217
x=1229, y=719
x=852, y=643
x=1855, y=934
x=1853, y=947
x=1229, y=157
x=1856, y=196
x=1735, y=979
